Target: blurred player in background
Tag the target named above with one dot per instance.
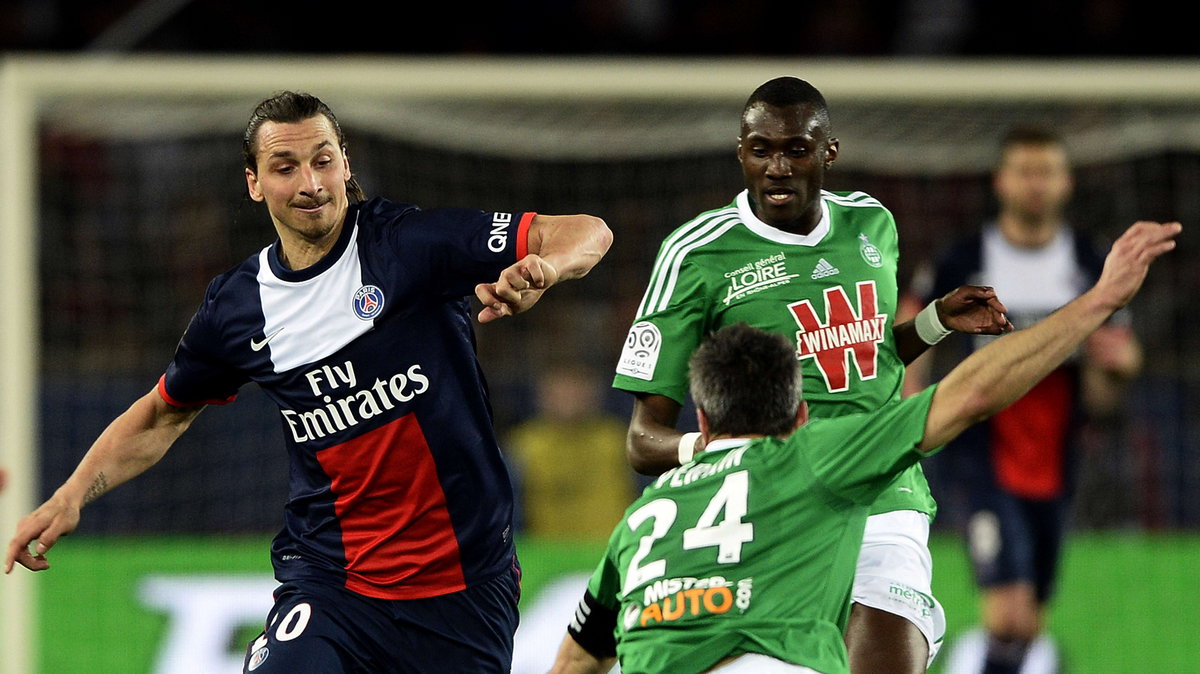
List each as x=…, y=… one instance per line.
x=818, y=267
x=569, y=458
x=1016, y=469
x=743, y=560
x=396, y=553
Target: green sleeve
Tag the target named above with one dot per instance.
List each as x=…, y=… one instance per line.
x=605, y=583
x=658, y=346
x=856, y=456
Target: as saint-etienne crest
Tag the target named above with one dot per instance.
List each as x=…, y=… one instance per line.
x=869, y=252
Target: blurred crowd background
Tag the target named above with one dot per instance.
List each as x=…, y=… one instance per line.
x=660, y=27
x=131, y=229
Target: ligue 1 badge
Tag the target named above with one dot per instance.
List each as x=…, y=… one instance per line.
x=368, y=302
x=869, y=252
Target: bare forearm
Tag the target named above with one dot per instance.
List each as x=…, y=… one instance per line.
x=652, y=444
x=132, y=443
x=652, y=451
x=1000, y=373
x=909, y=345
x=573, y=244
x=573, y=659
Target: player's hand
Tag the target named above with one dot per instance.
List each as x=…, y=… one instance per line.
x=52, y=520
x=975, y=310
x=1128, y=262
x=519, y=287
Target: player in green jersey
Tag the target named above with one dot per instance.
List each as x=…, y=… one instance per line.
x=743, y=559
x=819, y=268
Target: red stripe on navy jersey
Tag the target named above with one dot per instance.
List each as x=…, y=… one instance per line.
x=1029, y=438
x=399, y=540
x=162, y=391
x=523, y=235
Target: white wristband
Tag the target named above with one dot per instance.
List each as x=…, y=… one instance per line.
x=929, y=326
x=687, y=446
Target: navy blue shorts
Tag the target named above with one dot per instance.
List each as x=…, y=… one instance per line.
x=325, y=629
x=1014, y=539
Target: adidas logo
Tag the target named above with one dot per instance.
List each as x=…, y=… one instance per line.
x=824, y=269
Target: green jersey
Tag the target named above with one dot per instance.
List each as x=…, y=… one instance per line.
x=832, y=291
x=751, y=547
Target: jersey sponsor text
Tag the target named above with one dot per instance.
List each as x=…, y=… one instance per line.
x=768, y=272
x=844, y=335
x=671, y=599
x=498, y=237
x=341, y=413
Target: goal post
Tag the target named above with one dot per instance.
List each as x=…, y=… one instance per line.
x=891, y=111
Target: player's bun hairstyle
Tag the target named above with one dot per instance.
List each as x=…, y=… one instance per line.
x=746, y=381
x=290, y=107
x=783, y=92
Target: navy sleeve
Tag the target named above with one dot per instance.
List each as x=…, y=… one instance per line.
x=196, y=375
x=454, y=249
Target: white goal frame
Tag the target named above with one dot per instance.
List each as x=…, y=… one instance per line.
x=32, y=86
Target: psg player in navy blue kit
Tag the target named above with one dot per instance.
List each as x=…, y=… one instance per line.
x=396, y=553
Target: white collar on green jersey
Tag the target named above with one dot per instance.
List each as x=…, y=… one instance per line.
x=778, y=235
x=725, y=444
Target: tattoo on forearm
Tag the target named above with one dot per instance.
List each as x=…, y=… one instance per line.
x=99, y=486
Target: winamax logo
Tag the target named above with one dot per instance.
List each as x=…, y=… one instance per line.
x=844, y=336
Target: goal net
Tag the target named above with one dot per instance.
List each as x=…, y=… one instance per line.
x=124, y=195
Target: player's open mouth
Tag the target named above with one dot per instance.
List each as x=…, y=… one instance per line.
x=778, y=197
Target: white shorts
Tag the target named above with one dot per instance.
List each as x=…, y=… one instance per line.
x=757, y=663
x=895, y=573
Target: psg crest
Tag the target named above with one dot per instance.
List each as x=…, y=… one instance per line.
x=368, y=302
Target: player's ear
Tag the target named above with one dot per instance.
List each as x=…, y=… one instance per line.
x=802, y=414
x=831, y=152
x=702, y=422
x=252, y=186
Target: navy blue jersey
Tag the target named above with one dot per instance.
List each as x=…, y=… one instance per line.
x=397, y=485
x=1028, y=443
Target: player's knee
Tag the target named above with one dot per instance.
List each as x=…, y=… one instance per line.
x=1018, y=624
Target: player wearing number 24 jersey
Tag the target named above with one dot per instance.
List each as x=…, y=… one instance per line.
x=750, y=548
x=765, y=534
x=819, y=268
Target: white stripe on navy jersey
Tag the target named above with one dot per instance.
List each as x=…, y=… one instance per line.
x=306, y=321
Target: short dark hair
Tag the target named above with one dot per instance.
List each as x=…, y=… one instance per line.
x=746, y=381
x=788, y=91
x=290, y=107
x=1029, y=134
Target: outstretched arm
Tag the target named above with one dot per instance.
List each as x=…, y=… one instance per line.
x=561, y=248
x=996, y=375
x=974, y=310
x=133, y=442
